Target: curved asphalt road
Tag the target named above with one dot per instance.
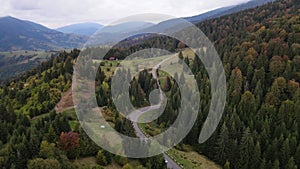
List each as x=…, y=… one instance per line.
x=134, y=116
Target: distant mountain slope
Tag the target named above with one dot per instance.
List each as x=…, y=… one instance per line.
x=210, y=15
x=15, y=63
x=110, y=34
x=226, y=10
x=16, y=34
x=86, y=29
x=168, y=25
x=126, y=27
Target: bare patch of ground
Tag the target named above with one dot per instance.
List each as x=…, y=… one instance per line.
x=66, y=102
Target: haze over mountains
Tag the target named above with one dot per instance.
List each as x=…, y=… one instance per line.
x=16, y=34
x=86, y=29
x=110, y=34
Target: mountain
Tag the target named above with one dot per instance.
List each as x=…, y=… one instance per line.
x=24, y=35
x=86, y=29
x=16, y=34
x=226, y=10
x=126, y=27
x=209, y=15
x=109, y=34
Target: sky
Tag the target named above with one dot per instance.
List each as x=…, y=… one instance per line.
x=57, y=13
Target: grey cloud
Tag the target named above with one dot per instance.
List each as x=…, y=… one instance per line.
x=24, y=4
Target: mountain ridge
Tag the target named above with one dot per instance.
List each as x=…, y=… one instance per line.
x=86, y=29
x=226, y=10
x=26, y=35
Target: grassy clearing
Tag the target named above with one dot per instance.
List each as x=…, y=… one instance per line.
x=70, y=113
x=73, y=121
x=35, y=119
x=89, y=162
x=25, y=53
x=182, y=159
x=192, y=160
x=145, y=63
x=188, y=53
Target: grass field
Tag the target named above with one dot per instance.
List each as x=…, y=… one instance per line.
x=25, y=53
x=70, y=114
x=89, y=162
x=18, y=62
x=140, y=64
x=192, y=160
x=182, y=159
x=36, y=118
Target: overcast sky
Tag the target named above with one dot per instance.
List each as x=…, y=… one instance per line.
x=56, y=13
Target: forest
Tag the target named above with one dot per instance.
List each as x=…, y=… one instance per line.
x=260, y=51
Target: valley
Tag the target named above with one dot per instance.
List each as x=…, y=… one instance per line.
x=15, y=63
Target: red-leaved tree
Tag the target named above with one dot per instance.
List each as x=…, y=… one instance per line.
x=69, y=142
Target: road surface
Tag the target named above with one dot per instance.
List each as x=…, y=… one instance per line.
x=134, y=116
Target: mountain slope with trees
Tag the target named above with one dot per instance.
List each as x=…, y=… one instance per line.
x=33, y=135
x=226, y=10
x=260, y=50
x=18, y=34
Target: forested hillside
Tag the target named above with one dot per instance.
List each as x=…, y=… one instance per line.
x=16, y=34
x=35, y=93
x=33, y=135
x=260, y=50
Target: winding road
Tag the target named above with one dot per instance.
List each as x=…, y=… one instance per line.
x=134, y=116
